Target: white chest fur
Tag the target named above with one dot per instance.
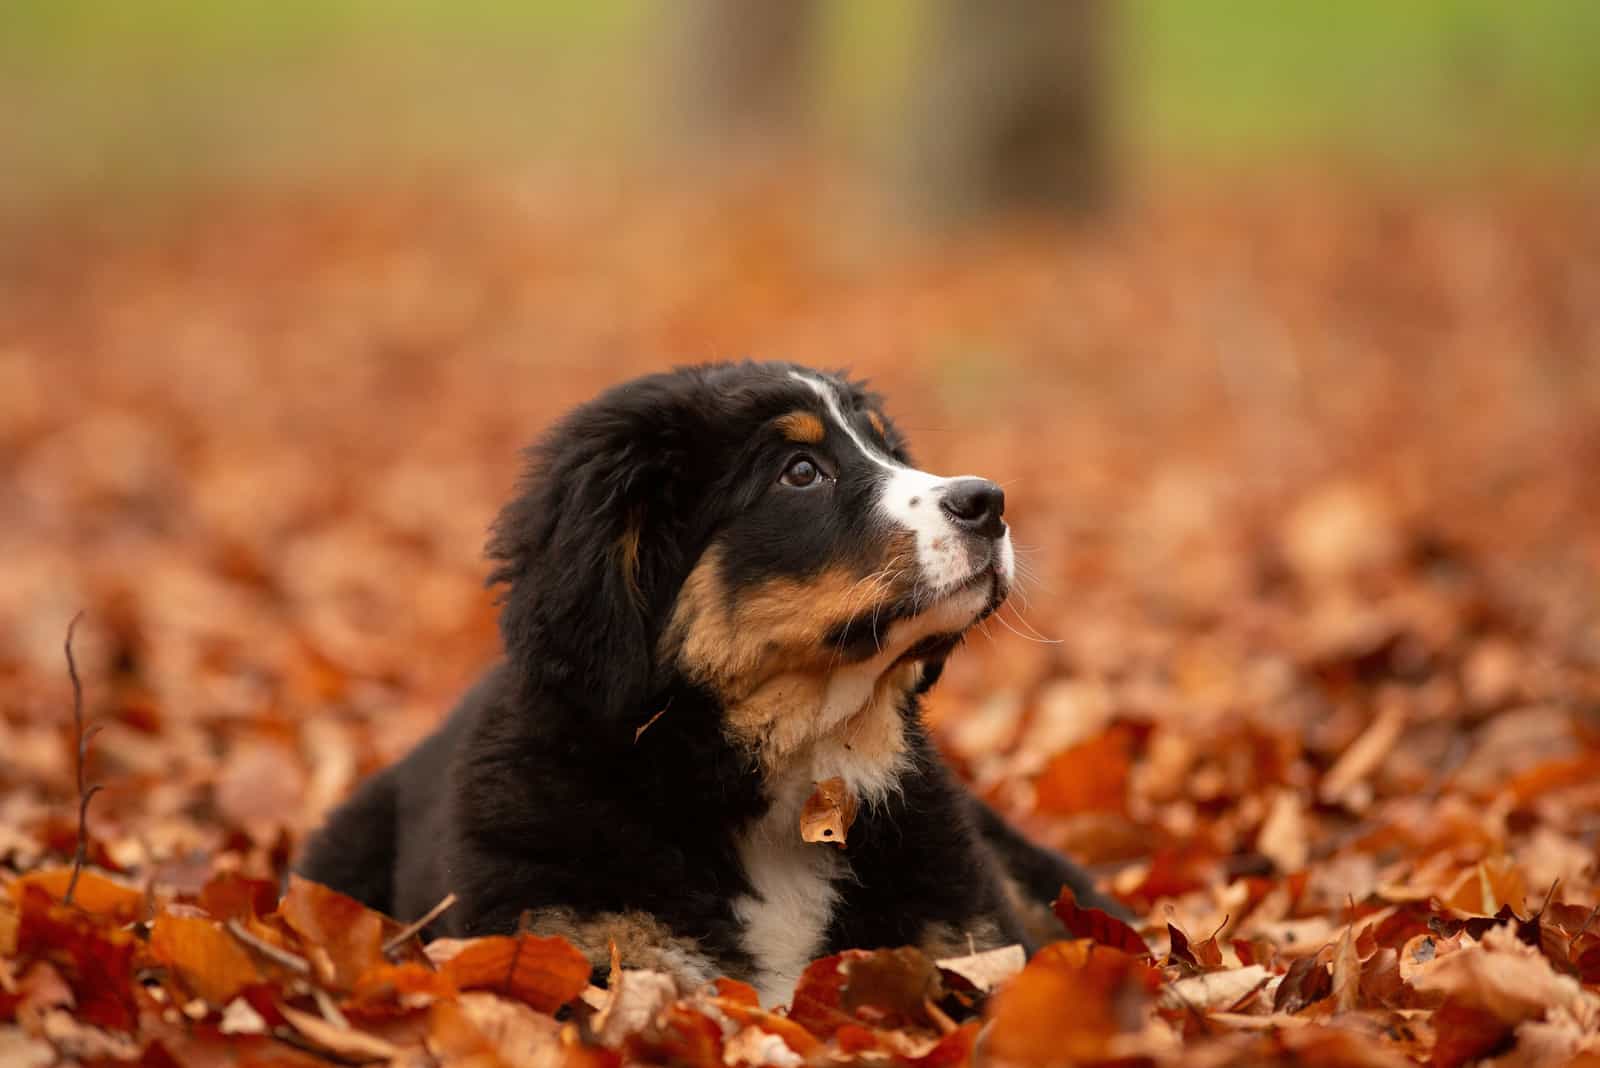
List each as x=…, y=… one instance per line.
x=795, y=882
x=793, y=898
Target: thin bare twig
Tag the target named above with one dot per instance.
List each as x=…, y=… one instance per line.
x=82, y=737
x=298, y=965
x=651, y=722
x=410, y=930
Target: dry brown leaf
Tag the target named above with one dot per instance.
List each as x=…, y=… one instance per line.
x=988, y=969
x=637, y=997
x=261, y=783
x=521, y=1037
x=18, y=1049
x=346, y=1041
x=1346, y=972
x=1283, y=836
x=828, y=813
x=1364, y=755
x=759, y=1049
x=1215, y=990
x=1506, y=978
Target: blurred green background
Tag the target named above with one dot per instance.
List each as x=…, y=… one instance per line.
x=106, y=94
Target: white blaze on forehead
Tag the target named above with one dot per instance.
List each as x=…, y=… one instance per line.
x=910, y=498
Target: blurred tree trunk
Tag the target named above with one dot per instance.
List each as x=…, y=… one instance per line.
x=1010, y=108
x=741, y=69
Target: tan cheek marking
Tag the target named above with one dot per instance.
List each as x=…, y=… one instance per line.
x=642, y=941
x=768, y=659
x=778, y=720
x=802, y=427
x=779, y=626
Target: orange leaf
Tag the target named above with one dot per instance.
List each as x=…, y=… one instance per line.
x=231, y=896
x=1466, y=1033
x=95, y=959
x=95, y=894
x=1098, y=925
x=395, y=989
x=953, y=1049
x=544, y=972
x=816, y=1003
x=682, y=1036
x=739, y=993
x=747, y=1014
x=1101, y=991
x=1089, y=777
x=208, y=961
x=349, y=934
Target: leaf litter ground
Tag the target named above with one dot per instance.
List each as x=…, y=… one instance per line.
x=1307, y=665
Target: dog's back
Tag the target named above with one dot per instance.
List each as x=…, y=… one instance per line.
x=380, y=847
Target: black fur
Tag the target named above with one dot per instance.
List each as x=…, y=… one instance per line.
x=540, y=792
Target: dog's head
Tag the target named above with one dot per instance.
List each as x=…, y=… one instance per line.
x=754, y=529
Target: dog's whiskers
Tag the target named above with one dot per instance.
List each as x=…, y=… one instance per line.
x=1035, y=637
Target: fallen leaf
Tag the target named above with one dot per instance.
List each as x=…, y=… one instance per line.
x=1346, y=973
x=1215, y=990
x=349, y=934
x=521, y=1037
x=1098, y=925
x=241, y=1018
x=1364, y=754
x=94, y=894
x=638, y=996
x=759, y=1049
x=346, y=1042
x=393, y=989
x=95, y=960
x=679, y=1035
x=1505, y=977
x=232, y=896
x=1307, y=982
x=1091, y=776
x=988, y=969
x=890, y=988
x=21, y=1050
x=204, y=957
x=1102, y=991
x=1283, y=835
x=544, y=972
x=828, y=813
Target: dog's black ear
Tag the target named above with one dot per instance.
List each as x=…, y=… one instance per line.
x=591, y=549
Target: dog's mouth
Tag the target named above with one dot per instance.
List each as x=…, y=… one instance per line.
x=870, y=632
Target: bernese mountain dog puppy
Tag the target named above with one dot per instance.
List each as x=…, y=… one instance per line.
x=723, y=586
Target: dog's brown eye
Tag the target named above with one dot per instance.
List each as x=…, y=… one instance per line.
x=801, y=473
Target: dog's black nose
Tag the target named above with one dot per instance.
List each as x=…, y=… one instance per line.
x=975, y=504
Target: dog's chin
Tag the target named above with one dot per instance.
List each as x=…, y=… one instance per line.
x=976, y=597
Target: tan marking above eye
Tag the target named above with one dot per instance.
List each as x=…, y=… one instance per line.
x=802, y=427
x=877, y=424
